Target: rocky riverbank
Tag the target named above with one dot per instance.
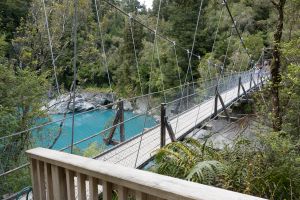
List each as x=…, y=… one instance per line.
x=85, y=101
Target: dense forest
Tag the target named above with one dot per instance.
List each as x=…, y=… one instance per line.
x=37, y=65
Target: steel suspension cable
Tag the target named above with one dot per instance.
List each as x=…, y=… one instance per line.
x=137, y=65
x=224, y=63
x=179, y=77
x=237, y=31
x=190, y=53
x=148, y=99
x=194, y=40
x=217, y=30
x=198, y=112
x=157, y=49
x=145, y=26
x=51, y=47
x=74, y=35
x=135, y=54
x=103, y=49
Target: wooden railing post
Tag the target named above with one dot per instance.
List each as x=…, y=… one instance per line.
x=34, y=179
x=107, y=190
x=59, y=183
x=121, y=121
x=162, y=125
x=239, y=87
x=251, y=78
x=216, y=103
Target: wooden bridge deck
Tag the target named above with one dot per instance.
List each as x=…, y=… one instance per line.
x=149, y=142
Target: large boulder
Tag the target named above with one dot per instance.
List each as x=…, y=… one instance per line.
x=81, y=105
x=127, y=106
x=59, y=105
x=141, y=105
x=84, y=101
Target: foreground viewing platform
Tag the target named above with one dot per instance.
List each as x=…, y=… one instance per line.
x=58, y=175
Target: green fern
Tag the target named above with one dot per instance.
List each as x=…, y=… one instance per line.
x=205, y=171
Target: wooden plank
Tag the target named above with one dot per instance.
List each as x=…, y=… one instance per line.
x=70, y=184
x=122, y=193
x=59, y=183
x=140, y=195
x=107, y=190
x=93, y=188
x=41, y=178
x=49, y=182
x=81, y=186
x=34, y=179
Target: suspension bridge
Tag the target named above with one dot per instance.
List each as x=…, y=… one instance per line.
x=137, y=151
x=192, y=104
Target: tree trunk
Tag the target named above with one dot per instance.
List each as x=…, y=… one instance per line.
x=275, y=68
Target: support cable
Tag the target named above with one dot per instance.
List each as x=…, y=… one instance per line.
x=194, y=40
x=135, y=54
x=224, y=63
x=51, y=47
x=75, y=69
x=149, y=89
x=157, y=49
x=214, y=43
x=179, y=77
x=237, y=30
x=145, y=26
x=103, y=50
x=190, y=53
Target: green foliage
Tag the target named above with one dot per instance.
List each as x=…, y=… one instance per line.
x=290, y=90
x=268, y=167
x=94, y=149
x=255, y=44
x=11, y=12
x=3, y=46
x=21, y=95
x=188, y=160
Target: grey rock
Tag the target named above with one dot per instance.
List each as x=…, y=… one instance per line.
x=84, y=101
x=127, y=106
x=141, y=105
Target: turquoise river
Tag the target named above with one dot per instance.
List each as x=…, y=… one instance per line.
x=86, y=125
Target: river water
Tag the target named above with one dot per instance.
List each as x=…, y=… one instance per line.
x=86, y=125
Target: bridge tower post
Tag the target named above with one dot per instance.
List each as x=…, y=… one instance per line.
x=163, y=125
x=121, y=121
x=239, y=87
x=251, y=78
x=216, y=102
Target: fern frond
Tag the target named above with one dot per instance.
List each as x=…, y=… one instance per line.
x=204, y=171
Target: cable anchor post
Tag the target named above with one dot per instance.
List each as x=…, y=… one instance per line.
x=162, y=125
x=243, y=88
x=217, y=98
x=119, y=119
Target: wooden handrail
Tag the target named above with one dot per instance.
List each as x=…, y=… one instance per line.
x=58, y=175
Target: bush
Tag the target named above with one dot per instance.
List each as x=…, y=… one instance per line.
x=268, y=167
